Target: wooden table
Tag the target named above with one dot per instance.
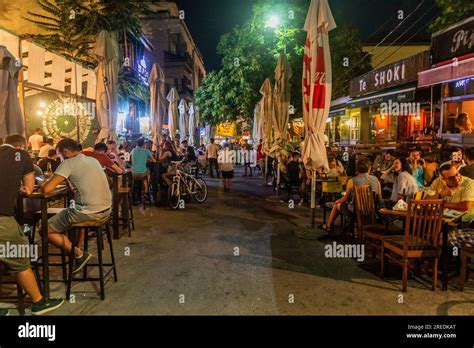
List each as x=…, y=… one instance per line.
x=116, y=199
x=44, y=199
x=447, y=221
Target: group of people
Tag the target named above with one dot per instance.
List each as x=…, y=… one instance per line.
x=394, y=177
x=83, y=171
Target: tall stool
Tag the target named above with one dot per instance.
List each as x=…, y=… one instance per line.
x=127, y=220
x=92, y=229
x=37, y=218
x=20, y=295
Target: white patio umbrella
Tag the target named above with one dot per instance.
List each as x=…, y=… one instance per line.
x=157, y=103
x=173, y=98
x=11, y=118
x=266, y=114
x=317, y=88
x=257, y=124
x=107, y=52
x=192, y=124
x=281, y=113
x=183, y=120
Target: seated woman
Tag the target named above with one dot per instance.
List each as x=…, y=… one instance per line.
x=363, y=168
x=336, y=169
x=463, y=124
x=167, y=156
x=405, y=184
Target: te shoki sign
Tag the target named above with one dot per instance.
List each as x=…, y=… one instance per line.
x=399, y=73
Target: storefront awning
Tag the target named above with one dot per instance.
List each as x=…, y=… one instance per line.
x=399, y=95
x=447, y=73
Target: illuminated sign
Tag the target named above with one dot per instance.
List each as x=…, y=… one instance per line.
x=143, y=72
x=462, y=83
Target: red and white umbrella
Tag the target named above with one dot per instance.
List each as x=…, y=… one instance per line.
x=317, y=82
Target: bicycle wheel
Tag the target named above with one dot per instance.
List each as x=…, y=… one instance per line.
x=199, y=187
x=174, y=196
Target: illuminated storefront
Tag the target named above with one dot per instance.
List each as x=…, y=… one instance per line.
x=453, y=71
x=386, y=105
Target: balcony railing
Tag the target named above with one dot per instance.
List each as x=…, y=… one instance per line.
x=171, y=58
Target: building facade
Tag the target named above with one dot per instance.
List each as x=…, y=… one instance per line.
x=175, y=50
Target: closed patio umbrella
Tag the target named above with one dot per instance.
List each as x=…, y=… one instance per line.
x=157, y=104
x=107, y=52
x=266, y=114
x=317, y=88
x=257, y=123
x=192, y=124
x=11, y=118
x=173, y=98
x=183, y=120
x=281, y=114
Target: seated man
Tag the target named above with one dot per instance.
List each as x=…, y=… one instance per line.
x=50, y=163
x=295, y=173
x=455, y=189
x=18, y=173
x=140, y=157
x=92, y=197
x=190, y=156
x=100, y=154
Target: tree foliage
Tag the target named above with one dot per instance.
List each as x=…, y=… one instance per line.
x=250, y=53
x=71, y=25
x=452, y=11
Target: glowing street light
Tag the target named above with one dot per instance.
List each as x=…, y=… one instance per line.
x=273, y=22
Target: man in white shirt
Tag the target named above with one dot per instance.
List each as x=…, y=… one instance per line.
x=35, y=142
x=46, y=148
x=212, y=155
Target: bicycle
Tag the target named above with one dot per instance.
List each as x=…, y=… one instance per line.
x=185, y=185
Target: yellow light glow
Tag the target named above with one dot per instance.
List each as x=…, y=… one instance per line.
x=42, y=105
x=39, y=113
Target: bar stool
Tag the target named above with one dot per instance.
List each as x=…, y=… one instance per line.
x=20, y=295
x=127, y=220
x=37, y=218
x=465, y=254
x=138, y=190
x=92, y=229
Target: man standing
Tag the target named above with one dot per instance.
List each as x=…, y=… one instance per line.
x=247, y=151
x=92, y=197
x=35, y=142
x=18, y=174
x=212, y=155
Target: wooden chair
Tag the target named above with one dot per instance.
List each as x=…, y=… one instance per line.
x=423, y=226
x=465, y=255
x=368, y=229
x=329, y=189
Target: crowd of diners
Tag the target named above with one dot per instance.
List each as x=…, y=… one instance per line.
x=395, y=176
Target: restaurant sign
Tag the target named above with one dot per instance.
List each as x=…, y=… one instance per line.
x=399, y=73
x=453, y=42
x=378, y=100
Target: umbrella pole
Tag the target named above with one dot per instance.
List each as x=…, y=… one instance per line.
x=313, y=197
x=278, y=180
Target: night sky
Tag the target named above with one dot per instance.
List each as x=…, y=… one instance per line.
x=209, y=19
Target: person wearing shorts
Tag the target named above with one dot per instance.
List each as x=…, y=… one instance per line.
x=227, y=166
x=92, y=197
x=18, y=175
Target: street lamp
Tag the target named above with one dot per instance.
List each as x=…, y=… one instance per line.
x=273, y=22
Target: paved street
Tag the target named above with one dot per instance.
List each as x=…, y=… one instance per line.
x=185, y=263
x=191, y=253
